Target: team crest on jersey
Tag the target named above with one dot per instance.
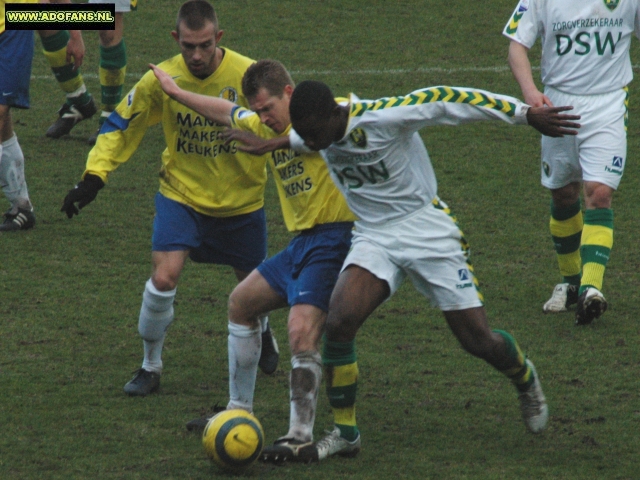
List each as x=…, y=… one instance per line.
x=358, y=137
x=546, y=168
x=611, y=4
x=229, y=93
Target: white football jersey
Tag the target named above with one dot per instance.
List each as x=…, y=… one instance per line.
x=381, y=164
x=585, y=43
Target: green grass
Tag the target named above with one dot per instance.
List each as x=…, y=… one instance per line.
x=71, y=289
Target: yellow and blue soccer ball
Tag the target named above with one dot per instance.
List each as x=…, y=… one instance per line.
x=233, y=439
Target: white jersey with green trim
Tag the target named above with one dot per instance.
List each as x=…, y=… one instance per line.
x=585, y=43
x=381, y=165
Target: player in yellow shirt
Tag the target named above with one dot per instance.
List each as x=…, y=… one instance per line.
x=302, y=275
x=210, y=204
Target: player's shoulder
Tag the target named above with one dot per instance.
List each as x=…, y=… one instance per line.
x=233, y=59
x=173, y=65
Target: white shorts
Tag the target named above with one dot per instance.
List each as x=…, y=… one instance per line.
x=599, y=152
x=428, y=247
x=121, y=5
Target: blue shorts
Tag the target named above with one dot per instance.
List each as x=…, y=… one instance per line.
x=239, y=241
x=16, y=55
x=307, y=270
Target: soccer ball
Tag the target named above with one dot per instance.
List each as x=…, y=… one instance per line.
x=233, y=439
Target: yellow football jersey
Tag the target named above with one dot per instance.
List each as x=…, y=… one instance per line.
x=307, y=194
x=198, y=169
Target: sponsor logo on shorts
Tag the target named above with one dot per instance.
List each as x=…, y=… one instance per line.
x=464, y=276
x=546, y=168
x=617, y=164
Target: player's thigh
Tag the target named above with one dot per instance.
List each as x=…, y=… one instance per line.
x=434, y=254
x=176, y=226
x=316, y=258
x=253, y=297
x=358, y=292
x=560, y=162
x=603, y=149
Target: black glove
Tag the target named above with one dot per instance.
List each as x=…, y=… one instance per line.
x=84, y=193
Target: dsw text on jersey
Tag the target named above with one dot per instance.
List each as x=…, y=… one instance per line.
x=584, y=42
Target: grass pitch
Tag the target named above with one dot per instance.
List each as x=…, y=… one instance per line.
x=71, y=289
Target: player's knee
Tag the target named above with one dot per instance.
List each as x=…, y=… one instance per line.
x=240, y=312
x=164, y=282
x=303, y=335
x=598, y=195
x=566, y=196
x=341, y=328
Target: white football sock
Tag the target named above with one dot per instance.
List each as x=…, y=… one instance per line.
x=245, y=345
x=156, y=314
x=264, y=322
x=306, y=375
x=12, y=179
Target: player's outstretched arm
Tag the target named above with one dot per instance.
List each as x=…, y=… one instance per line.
x=253, y=144
x=521, y=69
x=551, y=122
x=215, y=109
x=83, y=193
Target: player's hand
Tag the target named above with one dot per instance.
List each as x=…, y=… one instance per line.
x=75, y=49
x=253, y=144
x=83, y=193
x=168, y=85
x=551, y=122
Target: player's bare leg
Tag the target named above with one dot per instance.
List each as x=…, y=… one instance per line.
x=595, y=247
x=500, y=349
x=356, y=295
x=248, y=302
x=269, y=353
x=113, y=66
x=12, y=180
x=305, y=327
x=566, y=224
x=156, y=314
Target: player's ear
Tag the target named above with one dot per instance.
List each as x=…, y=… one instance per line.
x=288, y=90
x=219, y=36
x=175, y=36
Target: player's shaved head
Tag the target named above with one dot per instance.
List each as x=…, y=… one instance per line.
x=311, y=99
x=195, y=14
